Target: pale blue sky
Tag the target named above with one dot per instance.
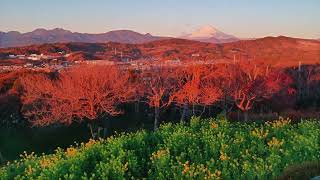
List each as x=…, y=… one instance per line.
x=242, y=18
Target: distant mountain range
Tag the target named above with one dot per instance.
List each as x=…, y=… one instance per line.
x=207, y=34
x=41, y=36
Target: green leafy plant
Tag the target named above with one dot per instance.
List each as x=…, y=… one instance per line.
x=204, y=149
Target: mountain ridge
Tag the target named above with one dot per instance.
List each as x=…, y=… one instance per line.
x=59, y=35
x=206, y=34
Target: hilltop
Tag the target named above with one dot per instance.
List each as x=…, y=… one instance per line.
x=275, y=50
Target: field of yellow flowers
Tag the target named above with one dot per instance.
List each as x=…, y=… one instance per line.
x=201, y=149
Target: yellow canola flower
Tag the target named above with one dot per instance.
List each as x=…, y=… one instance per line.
x=217, y=173
x=238, y=140
x=274, y=142
x=90, y=143
x=193, y=170
x=44, y=163
x=25, y=155
x=48, y=161
x=279, y=123
x=186, y=167
x=29, y=170
x=223, y=156
x=260, y=133
x=125, y=167
x=214, y=125
x=71, y=151
x=158, y=154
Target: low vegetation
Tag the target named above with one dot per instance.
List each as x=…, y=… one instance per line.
x=201, y=149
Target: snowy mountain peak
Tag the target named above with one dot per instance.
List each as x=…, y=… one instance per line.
x=211, y=34
x=204, y=32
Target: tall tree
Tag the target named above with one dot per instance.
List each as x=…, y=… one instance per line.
x=158, y=86
x=80, y=93
x=194, y=89
x=221, y=77
x=256, y=82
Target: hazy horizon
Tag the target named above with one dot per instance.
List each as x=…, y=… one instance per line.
x=243, y=18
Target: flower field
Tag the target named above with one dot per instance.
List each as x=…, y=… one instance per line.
x=201, y=149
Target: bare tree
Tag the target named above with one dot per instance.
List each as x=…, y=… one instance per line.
x=80, y=93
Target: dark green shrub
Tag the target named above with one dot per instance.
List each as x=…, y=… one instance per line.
x=305, y=170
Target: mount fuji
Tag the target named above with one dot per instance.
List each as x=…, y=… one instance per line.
x=210, y=34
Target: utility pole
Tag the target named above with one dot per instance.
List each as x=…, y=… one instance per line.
x=299, y=80
x=299, y=66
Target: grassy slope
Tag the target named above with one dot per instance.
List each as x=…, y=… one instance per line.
x=210, y=149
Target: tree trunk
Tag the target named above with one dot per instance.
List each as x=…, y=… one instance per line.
x=225, y=108
x=261, y=110
x=105, y=132
x=136, y=107
x=203, y=110
x=238, y=115
x=91, y=131
x=156, y=118
x=193, y=109
x=184, y=112
x=94, y=130
x=98, y=132
x=224, y=113
x=1, y=159
x=106, y=126
x=245, y=116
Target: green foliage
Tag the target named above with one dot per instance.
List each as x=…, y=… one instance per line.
x=305, y=170
x=205, y=149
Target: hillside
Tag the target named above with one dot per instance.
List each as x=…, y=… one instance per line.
x=275, y=50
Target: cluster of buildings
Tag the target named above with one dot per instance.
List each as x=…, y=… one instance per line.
x=37, y=62
x=59, y=62
x=34, y=57
x=10, y=68
x=146, y=64
x=30, y=66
